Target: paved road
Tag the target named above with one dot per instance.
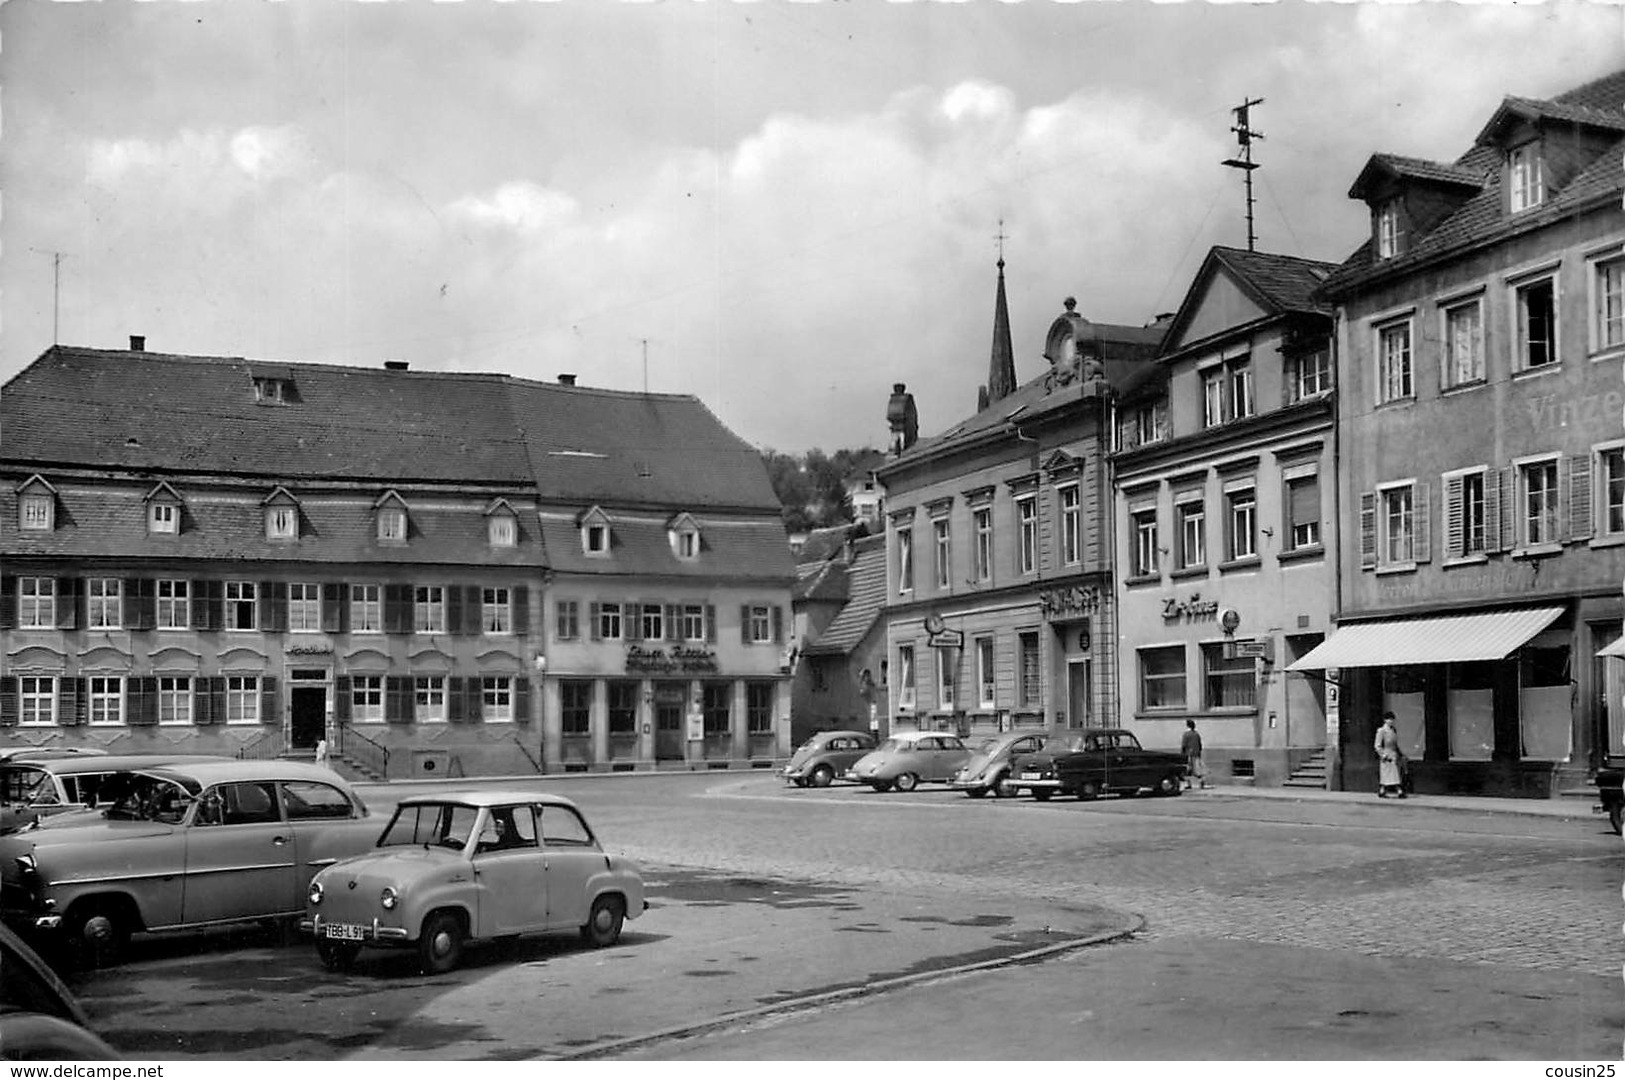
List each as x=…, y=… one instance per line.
x=1271, y=927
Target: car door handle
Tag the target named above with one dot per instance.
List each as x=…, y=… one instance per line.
x=279, y=840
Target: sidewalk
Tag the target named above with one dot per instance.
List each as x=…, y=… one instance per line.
x=1566, y=806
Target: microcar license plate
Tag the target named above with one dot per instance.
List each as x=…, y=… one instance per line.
x=343, y=931
x=1032, y=776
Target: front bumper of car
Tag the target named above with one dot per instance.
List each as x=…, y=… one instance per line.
x=372, y=933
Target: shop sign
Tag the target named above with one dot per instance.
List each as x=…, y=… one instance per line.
x=309, y=650
x=1193, y=610
x=679, y=660
x=1073, y=600
x=947, y=639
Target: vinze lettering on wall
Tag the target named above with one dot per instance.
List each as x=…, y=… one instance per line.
x=1076, y=600
x=680, y=659
x=1193, y=610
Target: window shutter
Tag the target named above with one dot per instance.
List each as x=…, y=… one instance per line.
x=216, y=616
x=744, y=623
x=1509, y=507
x=269, y=713
x=148, y=608
x=454, y=698
x=130, y=604
x=200, y=605
x=202, y=702
x=143, y=700
x=8, y=602
x=473, y=610
x=454, y=610
x=674, y=622
x=521, y=700
x=81, y=606
x=521, y=609
x=335, y=603
x=67, y=604
x=778, y=624
x=1368, y=530
x=711, y=623
x=273, y=606
x=632, y=621
x=1581, y=525
x=217, y=694
x=594, y=628
x=1422, y=521
x=1454, y=518
x=398, y=609
x=8, y=700
x=1492, y=510
x=71, y=701
x=343, y=696
x=474, y=711
x=398, y=699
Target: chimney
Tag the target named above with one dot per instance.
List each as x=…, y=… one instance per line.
x=138, y=343
x=396, y=365
x=902, y=419
x=567, y=378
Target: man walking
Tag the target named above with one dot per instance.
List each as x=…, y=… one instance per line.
x=1190, y=744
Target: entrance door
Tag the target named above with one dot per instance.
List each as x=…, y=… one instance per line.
x=1077, y=693
x=670, y=699
x=309, y=708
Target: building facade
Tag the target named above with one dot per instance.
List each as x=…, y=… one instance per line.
x=1480, y=343
x=213, y=555
x=1225, y=519
x=843, y=664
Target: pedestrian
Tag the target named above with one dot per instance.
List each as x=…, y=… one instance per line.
x=1190, y=744
x=1389, y=759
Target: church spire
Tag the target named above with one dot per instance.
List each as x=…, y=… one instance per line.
x=1001, y=372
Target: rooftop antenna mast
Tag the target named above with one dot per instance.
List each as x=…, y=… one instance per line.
x=1244, y=138
x=56, y=292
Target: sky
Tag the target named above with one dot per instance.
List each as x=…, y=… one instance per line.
x=780, y=207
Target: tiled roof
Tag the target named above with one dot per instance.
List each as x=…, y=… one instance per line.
x=1482, y=218
x=824, y=582
x=823, y=543
x=1284, y=282
x=866, y=598
x=752, y=548
x=1415, y=168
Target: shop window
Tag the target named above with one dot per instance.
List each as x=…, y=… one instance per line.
x=623, y=707
x=575, y=706
x=1470, y=700
x=1162, y=677
x=905, y=676
x=1545, y=703
x=1031, y=688
x=1227, y=682
x=715, y=704
x=1403, y=695
x=759, y=708
x=984, y=671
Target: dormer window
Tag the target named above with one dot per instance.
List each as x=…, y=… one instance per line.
x=684, y=533
x=281, y=516
x=1526, y=177
x=595, y=537
x=502, y=531
x=268, y=391
x=36, y=505
x=1390, y=231
x=163, y=511
x=390, y=514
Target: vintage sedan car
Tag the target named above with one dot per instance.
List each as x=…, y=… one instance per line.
x=1098, y=761
x=988, y=768
x=40, y=1020
x=471, y=866
x=910, y=758
x=827, y=755
x=191, y=844
x=34, y=787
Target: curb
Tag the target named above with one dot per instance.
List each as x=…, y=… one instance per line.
x=851, y=993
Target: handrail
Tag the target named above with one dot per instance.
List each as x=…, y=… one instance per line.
x=267, y=745
x=365, y=751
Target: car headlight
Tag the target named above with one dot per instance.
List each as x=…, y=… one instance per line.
x=315, y=892
x=389, y=898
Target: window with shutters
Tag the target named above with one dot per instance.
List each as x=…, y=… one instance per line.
x=304, y=607
x=653, y=622
x=496, y=698
x=575, y=706
x=623, y=706
x=1466, y=519
x=1539, y=504
x=174, y=604
x=496, y=611
x=242, y=699
x=609, y=620
x=104, y=603
x=36, y=699
x=1030, y=683
x=36, y=603
x=1401, y=525
x=1607, y=304
x=1302, y=511
x=1026, y=534
x=366, y=609
x=1394, y=361
x=429, y=609
x=367, y=698
x=905, y=676
x=429, y=698
x=567, y=620
x=242, y=601
x=760, y=629
x=1611, y=491
x=1464, y=343
x=174, y=699
x=106, y=699
x=1536, y=305
x=693, y=622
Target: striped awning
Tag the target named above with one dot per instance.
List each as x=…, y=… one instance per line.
x=1447, y=639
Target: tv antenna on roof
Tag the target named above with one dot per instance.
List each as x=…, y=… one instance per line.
x=1244, y=138
x=56, y=291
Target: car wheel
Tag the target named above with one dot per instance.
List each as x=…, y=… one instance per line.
x=976, y=792
x=440, y=946
x=1616, y=816
x=1042, y=794
x=1170, y=785
x=337, y=955
x=822, y=776
x=1089, y=790
x=96, y=934
x=603, y=926
x=799, y=782
x=1005, y=787
x=907, y=781
x=881, y=785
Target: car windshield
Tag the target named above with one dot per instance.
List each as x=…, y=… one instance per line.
x=133, y=797
x=20, y=786
x=1066, y=744
x=431, y=825
x=895, y=744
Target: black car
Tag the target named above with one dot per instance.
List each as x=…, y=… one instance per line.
x=1098, y=761
x=1611, y=795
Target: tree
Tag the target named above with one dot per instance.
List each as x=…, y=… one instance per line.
x=812, y=487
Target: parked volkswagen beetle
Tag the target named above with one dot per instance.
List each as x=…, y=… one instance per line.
x=471, y=866
x=827, y=755
x=988, y=767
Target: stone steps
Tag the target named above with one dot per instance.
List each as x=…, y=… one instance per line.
x=1311, y=774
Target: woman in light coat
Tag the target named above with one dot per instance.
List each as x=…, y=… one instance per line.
x=1388, y=759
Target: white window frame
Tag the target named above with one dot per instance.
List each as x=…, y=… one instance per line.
x=496, y=610
x=1029, y=684
x=496, y=698
x=1313, y=362
x=983, y=518
x=1026, y=534
x=1608, y=490
x=242, y=699
x=1526, y=177
x=905, y=560
x=428, y=609
x=1147, y=561
x=429, y=699
x=282, y=522
x=905, y=676
x=1522, y=343
x=985, y=674
x=366, y=608
x=105, y=700
x=941, y=551
x=36, y=700
x=609, y=620
x=1386, y=515
x=1241, y=511
x=1388, y=234
x=304, y=607
x=945, y=679
x=502, y=530
x=174, y=700
x=595, y=538
x=1192, y=530
x=36, y=511
x=761, y=624
x=1395, y=384
x=163, y=518
x=652, y=622
x=36, y=603
x=367, y=698
x=173, y=603
x=1551, y=501
x=1451, y=355
x=693, y=622
x=241, y=596
x=1071, y=500
x=1178, y=681
x=104, y=603
x=1471, y=519
x=1607, y=277
x=1290, y=477
x=392, y=524
x=685, y=544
